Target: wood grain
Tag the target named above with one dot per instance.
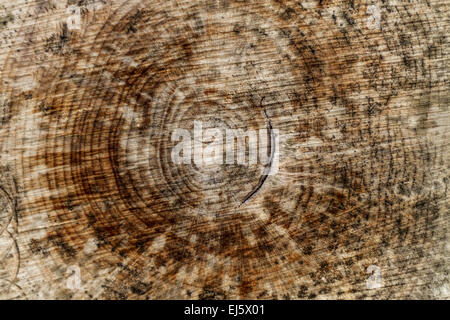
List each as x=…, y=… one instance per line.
x=92, y=207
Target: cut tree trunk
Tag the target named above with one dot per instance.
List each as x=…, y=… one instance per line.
x=350, y=96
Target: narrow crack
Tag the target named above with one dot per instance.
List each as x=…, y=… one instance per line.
x=269, y=165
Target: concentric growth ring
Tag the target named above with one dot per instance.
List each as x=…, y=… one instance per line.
x=351, y=98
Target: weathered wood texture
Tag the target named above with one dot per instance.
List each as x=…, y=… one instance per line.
x=92, y=206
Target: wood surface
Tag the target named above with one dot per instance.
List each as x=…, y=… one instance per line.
x=93, y=208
